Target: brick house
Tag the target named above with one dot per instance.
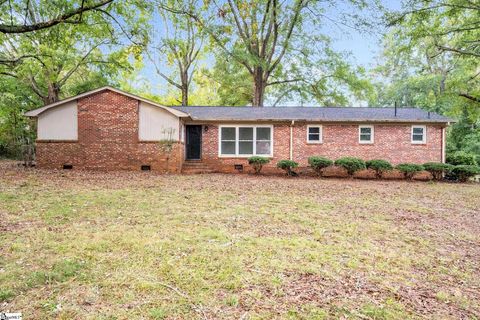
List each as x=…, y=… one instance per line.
x=109, y=129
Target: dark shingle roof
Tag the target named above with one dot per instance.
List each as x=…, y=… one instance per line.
x=312, y=114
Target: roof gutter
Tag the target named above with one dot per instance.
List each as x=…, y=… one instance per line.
x=359, y=120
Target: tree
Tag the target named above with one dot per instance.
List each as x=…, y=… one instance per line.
x=260, y=35
x=324, y=77
x=15, y=99
x=180, y=47
x=14, y=16
x=59, y=54
x=43, y=66
x=450, y=26
x=228, y=81
x=429, y=61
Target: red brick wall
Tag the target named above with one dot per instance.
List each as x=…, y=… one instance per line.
x=391, y=142
x=108, y=139
x=281, y=136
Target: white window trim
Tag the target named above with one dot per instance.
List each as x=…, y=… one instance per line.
x=236, y=155
x=424, y=140
x=320, y=132
x=372, y=136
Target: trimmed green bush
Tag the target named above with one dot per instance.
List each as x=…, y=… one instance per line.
x=380, y=166
x=288, y=165
x=352, y=164
x=461, y=158
x=318, y=163
x=257, y=163
x=409, y=169
x=437, y=169
x=463, y=172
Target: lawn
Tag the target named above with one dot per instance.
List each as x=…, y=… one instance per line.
x=83, y=245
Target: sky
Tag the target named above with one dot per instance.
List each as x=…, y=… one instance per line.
x=363, y=47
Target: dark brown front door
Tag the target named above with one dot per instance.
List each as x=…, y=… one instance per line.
x=193, y=142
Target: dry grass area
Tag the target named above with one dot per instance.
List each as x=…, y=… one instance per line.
x=83, y=245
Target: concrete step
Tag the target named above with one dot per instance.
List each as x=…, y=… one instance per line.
x=196, y=167
x=195, y=164
x=193, y=167
x=191, y=171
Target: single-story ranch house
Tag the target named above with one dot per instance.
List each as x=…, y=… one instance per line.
x=109, y=129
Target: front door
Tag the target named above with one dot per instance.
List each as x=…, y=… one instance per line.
x=193, y=142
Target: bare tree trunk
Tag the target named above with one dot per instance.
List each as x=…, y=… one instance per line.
x=259, y=85
x=184, y=86
x=53, y=94
x=184, y=95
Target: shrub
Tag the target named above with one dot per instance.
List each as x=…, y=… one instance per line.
x=409, y=169
x=437, y=169
x=257, y=163
x=351, y=164
x=462, y=158
x=380, y=166
x=288, y=165
x=318, y=163
x=463, y=172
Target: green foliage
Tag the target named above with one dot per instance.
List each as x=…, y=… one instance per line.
x=409, y=169
x=380, y=166
x=352, y=164
x=318, y=163
x=287, y=66
x=288, y=165
x=228, y=83
x=6, y=295
x=429, y=63
x=60, y=272
x=437, y=169
x=464, y=172
x=179, y=50
x=63, y=60
x=461, y=158
x=158, y=314
x=257, y=163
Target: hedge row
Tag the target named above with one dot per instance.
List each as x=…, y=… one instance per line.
x=460, y=171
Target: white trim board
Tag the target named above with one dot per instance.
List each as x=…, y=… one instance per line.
x=36, y=112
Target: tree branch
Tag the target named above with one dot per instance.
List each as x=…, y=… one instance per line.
x=459, y=51
x=469, y=97
x=284, y=81
x=14, y=29
x=286, y=42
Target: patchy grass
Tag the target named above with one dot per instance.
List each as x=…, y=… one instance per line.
x=86, y=245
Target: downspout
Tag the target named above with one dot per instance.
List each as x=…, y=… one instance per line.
x=291, y=139
x=444, y=144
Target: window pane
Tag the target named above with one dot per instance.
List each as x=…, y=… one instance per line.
x=228, y=147
x=245, y=133
x=366, y=130
x=228, y=133
x=245, y=147
x=314, y=137
x=263, y=147
x=263, y=133
x=314, y=130
x=417, y=137
x=417, y=130
x=365, y=137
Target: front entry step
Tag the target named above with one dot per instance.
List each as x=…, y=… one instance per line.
x=196, y=166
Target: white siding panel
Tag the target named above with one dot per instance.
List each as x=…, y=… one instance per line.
x=156, y=124
x=59, y=123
